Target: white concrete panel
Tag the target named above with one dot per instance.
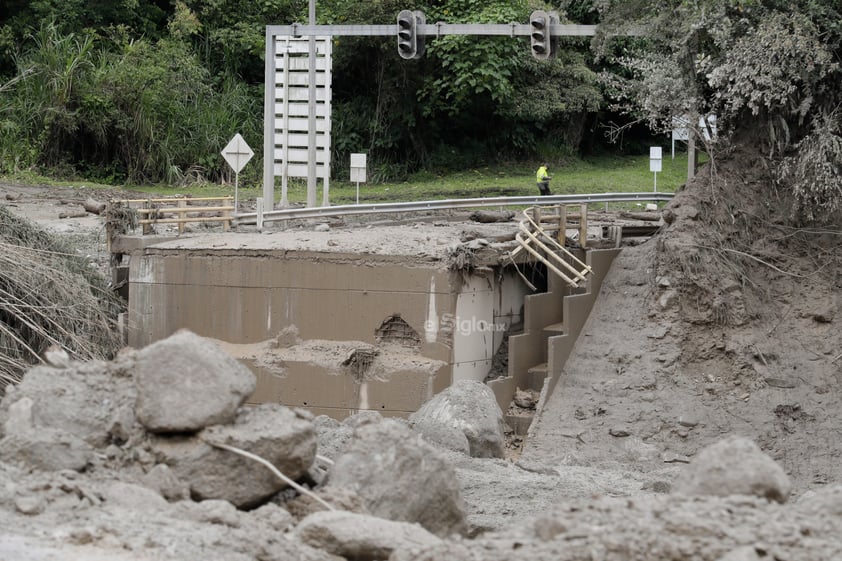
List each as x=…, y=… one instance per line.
x=508, y=311
x=473, y=329
x=474, y=370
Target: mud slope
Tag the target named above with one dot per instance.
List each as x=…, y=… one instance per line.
x=727, y=322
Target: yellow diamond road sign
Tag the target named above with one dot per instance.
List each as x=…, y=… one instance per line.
x=237, y=153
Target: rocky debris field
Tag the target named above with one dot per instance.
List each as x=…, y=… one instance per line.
x=724, y=324
x=154, y=456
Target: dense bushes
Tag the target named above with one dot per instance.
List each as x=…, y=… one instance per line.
x=138, y=111
x=149, y=91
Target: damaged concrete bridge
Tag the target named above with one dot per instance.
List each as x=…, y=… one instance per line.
x=339, y=317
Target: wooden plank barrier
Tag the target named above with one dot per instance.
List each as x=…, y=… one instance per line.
x=180, y=211
x=534, y=238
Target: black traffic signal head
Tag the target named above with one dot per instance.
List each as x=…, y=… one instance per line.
x=410, y=42
x=539, y=35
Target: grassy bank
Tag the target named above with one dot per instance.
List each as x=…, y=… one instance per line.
x=608, y=174
x=599, y=175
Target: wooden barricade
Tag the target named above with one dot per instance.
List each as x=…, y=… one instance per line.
x=535, y=236
x=180, y=211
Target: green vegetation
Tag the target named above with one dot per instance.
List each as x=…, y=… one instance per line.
x=149, y=92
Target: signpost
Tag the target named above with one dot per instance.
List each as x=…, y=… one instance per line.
x=237, y=153
x=358, y=168
x=655, y=158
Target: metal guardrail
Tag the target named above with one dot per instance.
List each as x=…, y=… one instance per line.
x=444, y=204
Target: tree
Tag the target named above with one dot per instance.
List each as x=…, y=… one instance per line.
x=768, y=70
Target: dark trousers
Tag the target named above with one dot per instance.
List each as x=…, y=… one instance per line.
x=544, y=187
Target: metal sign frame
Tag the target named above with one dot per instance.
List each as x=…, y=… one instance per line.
x=276, y=33
x=286, y=123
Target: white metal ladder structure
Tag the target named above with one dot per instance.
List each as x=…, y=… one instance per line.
x=536, y=239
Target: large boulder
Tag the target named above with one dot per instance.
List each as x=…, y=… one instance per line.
x=186, y=383
x=401, y=477
x=93, y=401
x=45, y=449
x=361, y=537
x=469, y=407
x=734, y=466
x=282, y=436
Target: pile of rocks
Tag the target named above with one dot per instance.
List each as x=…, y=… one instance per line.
x=155, y=456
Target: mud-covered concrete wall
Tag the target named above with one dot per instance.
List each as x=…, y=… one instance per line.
x=576, y=311
x=247, y=297
x=552, y=323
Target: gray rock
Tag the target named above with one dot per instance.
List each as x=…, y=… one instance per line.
x=19, y=417
x=46, y=450
x=401, y=477
x=217, y=512
x=279, y=519
x=668, y=299
x=828, y=501
x=445, y=436
x=332, y=436
x=324, y=227
x=131, y=497
x=472, y=408
x=688, y=421
x=781, y=383
x=271, y=431
x=41, y=448
x=734, y=466
x=527, y=399
x=342, y=499
x=186, y=383
x=30, y=504
x=361, y=537
x=672, y=457
x=92, y=401
x=362, y=418
x=619, y=431
x=166, y=483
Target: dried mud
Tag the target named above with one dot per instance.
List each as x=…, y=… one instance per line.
x=725, y=323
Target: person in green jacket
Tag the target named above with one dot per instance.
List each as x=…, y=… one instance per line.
x=543, y=179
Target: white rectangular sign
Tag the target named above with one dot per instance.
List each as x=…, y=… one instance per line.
x=358, y=168
x=655, y=156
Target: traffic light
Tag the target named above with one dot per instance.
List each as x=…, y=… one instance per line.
x=540, y=39
x=410, y=42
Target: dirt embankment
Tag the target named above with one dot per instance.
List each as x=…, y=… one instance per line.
x=727, y=322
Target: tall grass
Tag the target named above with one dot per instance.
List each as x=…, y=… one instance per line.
x=120, y=110
x=49, y=296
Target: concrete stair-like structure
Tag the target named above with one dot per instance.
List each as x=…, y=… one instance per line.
x=552, y=322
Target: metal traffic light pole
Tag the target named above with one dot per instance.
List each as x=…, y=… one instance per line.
x=418, y=30
x=438, y=29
